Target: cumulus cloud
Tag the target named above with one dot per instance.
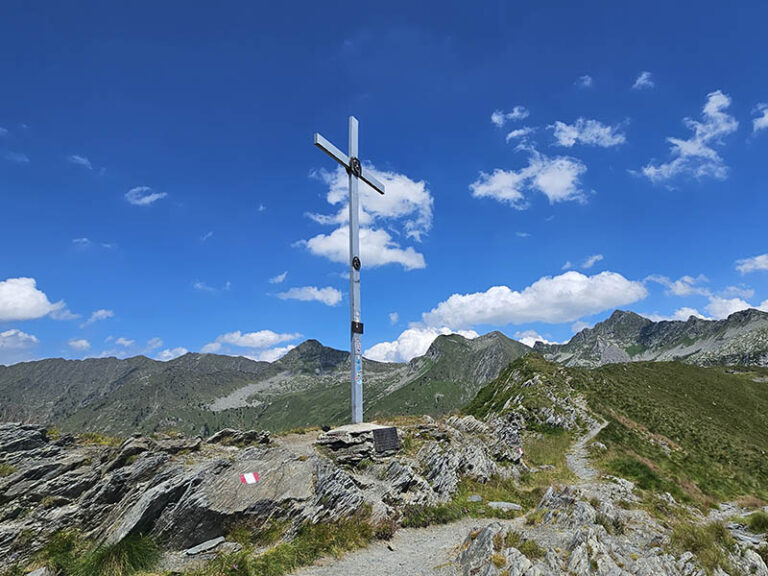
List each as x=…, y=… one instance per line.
x=143, y=196
x=125, y=342
x=406, y=209
x=80, y=161
x=643, y=82
x=15, y=339
x=530, y=337
x=684, y=286
x=253, y=340
x=79, y=344
x=411, y=343
x=393, y=318
x=279, y=279
x=589, y=132
x=171, y=353
x=21, y=300
x=697, y=156
x=272, y=354
x=753, y=264
x=377, y=248
x=499, y=118
x=761, y=122
x=563, y=298
x=328, y=296
x=681, y=314
x=584, y=81
x=98, y=315
x=557, y=178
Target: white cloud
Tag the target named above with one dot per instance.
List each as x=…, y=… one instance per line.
x=530, y=337
x=80, y=161
x=411, y=343
x=101, y=314
x=405, y=209
x=406, y=202
x=125, y=342
x=153, y=344
x=523, y=234
x=696, y=156
x=16, y=157
x=255, y=340
x=15, y=339
x=261, y=208
x=377, y=248
x=591, y=261
x=590, y=132
x=643, y=81
x=761, y=122
x=328, y=296
x=171, y=353
x=21, y=300
x=206, y=236
x=684, y=286
x=753, y=264
x=499, y=118
x=279, y=279
x=81, y=242
x=584, y=81
x=393, y=318
x=563, y=298
x=723, y=307
x=272, y=354
x=79, y=344
x=520, y=133
x=681, y=314
x=557, y=178
x=143, y=196
x=567, y=266
x=3, y=131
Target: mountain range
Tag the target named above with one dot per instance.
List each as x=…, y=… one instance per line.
x=309, y=386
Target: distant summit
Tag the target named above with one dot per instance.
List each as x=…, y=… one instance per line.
x=742, y=338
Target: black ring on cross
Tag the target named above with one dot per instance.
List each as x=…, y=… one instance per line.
x=355, y=167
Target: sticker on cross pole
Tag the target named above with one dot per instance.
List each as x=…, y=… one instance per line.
x=249, y=478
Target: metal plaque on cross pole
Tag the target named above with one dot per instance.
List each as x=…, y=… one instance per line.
x=356, y=171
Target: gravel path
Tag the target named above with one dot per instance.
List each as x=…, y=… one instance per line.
x=578, y=457
x=417, y=552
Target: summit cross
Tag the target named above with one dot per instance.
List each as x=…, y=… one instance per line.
x=356, y=172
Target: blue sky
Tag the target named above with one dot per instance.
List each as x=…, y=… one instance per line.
x=546, y=163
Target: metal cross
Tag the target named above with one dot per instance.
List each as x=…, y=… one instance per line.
x=356, y=172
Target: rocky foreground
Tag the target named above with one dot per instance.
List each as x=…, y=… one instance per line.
x=188, y=495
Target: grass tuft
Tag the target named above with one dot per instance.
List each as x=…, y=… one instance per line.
x=133, y=554
x=709, y=543
x=6, y=469
x=758, y=521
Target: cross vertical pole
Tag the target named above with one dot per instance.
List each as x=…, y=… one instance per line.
x=356, y=344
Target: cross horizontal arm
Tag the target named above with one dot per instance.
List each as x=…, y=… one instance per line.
x=343, y=159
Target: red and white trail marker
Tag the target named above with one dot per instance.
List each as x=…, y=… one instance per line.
x=249, y=478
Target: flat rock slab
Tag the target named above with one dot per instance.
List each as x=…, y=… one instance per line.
x=205, y=546
x=505, y=506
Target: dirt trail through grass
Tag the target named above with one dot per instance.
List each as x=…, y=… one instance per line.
x=578, y=456
x=417, y=552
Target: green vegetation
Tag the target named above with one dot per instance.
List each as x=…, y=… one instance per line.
x=709, y=543
x=67, y=554
x=6, y=469
x=311, y=542
x=528, y=548
x=697, y=433
x=757, y=521
x=97, y=439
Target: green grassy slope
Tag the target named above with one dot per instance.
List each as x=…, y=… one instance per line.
x=699, y=433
